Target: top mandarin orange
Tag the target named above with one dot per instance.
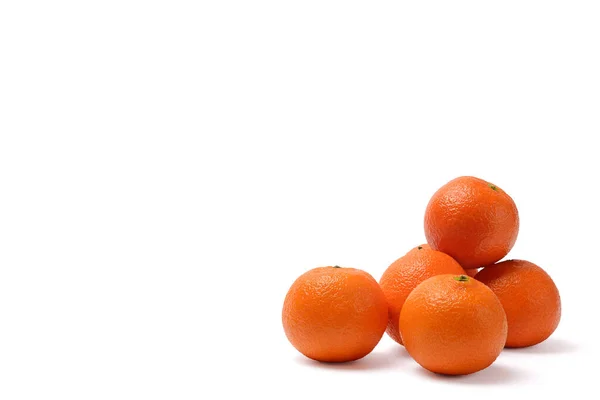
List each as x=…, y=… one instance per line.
x=473, y=221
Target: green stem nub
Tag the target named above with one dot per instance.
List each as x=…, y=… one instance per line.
x=494, y=187
x=336, y=266
x=420, y=247
x=461, y=278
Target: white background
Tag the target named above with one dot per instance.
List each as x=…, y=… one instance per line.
x=168, y=168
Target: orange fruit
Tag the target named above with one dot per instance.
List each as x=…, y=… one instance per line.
x=473, y=221
x=334, y=314
x=529, y=297
x=406, y=273
x=453, y=325
x=472, y=272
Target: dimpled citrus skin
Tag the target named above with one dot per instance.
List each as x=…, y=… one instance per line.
x=400, y=278
x=473, y=221
x=529, y=297
x=453, y=327
x=334, y=314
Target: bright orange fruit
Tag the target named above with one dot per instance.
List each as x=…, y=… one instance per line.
x=406, y=273
x=335, y=314
x=529, y=297
x=473, y=221
x=453, y=325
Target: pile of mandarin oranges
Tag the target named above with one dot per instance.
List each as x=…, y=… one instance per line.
x=451, y=302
